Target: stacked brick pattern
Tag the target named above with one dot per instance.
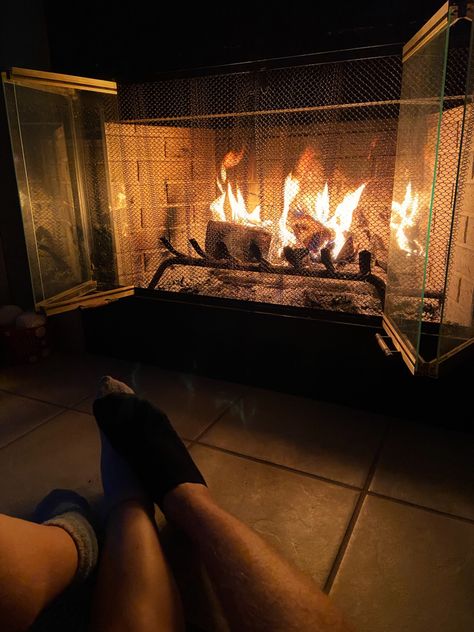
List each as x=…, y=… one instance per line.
x=162, y=180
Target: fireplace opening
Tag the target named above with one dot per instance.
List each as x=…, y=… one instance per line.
x=270, y=186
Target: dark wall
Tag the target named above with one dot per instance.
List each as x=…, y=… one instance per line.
x=139, y=39
x=23, y=43
x=23, y=35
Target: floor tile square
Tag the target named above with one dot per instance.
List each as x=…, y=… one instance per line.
x=302, y=517
x=62, y=453
x=19, y=415
x=428, y=466
x=316, y=437
x=407, y=570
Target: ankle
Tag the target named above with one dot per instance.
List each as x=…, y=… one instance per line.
x=129, y=507
x=186, y=499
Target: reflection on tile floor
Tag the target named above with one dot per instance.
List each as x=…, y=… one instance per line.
x=332, y=441
x=429, y=467
x=191, y=402
x=295, y=470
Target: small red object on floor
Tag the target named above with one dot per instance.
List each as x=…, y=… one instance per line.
x=24, y=345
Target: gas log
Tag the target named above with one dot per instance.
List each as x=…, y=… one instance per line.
x=242, y=242
x=309, y=232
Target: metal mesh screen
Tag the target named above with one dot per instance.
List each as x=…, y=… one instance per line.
x=205, y=164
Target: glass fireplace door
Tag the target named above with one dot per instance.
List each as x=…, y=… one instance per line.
x=420, y=299
x=57, y=131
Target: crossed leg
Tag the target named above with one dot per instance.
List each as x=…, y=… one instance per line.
x=258, y=589
x=135, y=589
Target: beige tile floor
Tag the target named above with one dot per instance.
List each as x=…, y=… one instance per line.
x=379, y=512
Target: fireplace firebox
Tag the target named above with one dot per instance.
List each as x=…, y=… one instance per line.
x=339, y=188
x=272, y=186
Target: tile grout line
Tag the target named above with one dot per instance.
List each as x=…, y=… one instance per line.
x=355, y=514
x=407, y=503
x=83, y=399
x=279, y=466
x=331, y=481
x=213, y=423
x=196, y=441
x=45, y=401
x=71, y=407
x=40, y=425
x=62, y=408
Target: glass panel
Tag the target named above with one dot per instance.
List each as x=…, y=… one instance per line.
x=58, y=143
x=45, y=157
x=457, y=326
x=414, y=186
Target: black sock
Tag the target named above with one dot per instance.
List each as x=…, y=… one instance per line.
x=144, y=437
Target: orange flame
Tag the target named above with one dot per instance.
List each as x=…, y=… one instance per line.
x=402, y=222
x=290, y=191
x=312, y=224
x=238, y=207
x=306, y=216
x=341, y=221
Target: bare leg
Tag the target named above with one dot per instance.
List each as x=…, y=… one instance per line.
x=37, y=563
x=135, y=589
x=259, y=590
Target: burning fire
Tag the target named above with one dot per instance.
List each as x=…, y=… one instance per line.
x=325, y=231
x=292, y=186
x=403, y=224
x=305, y=220
x=238, y=208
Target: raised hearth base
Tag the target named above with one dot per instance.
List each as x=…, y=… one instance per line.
x=319, y=358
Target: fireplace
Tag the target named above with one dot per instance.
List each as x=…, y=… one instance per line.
x=272, y=186
x=322, y=187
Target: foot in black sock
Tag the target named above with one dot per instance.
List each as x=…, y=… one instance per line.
x=144, y=437
x=119, y=481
